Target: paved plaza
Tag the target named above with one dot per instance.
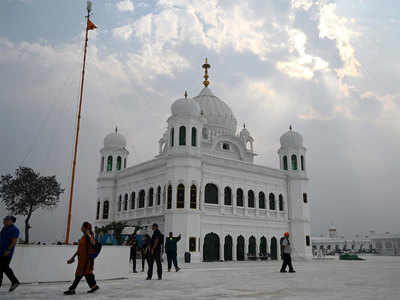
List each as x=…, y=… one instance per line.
x=376, y=278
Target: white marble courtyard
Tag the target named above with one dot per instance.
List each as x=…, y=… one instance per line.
x=376, y=278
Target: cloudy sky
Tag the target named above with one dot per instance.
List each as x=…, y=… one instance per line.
x=329, y=68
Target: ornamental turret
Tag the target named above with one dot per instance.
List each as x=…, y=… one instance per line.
x=113, y=154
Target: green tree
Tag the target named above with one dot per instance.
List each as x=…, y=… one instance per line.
x=28, y=191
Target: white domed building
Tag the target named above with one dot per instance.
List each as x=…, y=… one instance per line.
x=204, y=185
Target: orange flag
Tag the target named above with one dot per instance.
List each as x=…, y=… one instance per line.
x=90, y=25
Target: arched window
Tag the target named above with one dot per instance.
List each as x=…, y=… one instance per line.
x=133, y=195
x=281, y=206
x=250, y=199
x=98, y=210
x=125, y=163
x=305, y=199
x=109, y=163
x=302, y=162
x=285, y=165
x=106, y=206
x=308, y=242
x=126, y=202
x=102, y=164
x=169, y=197
x=151, y=196
x=182, y=136
x=294, y=162
x=171, y=138
x=120, y=203
x=228, y=196
x=261, y=200
x=142, y=195
x=194, y=136
x=119, y=161
x=159, y=195
x=205, y=133
x=239, y=197
x=271, y=201
x=180, y=196
x=211, y=194
x=193, y=196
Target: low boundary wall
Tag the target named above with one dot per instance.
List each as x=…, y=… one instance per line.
x=48, y=263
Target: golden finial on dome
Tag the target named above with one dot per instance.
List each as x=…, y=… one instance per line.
x=206, y=66
x=186, y=94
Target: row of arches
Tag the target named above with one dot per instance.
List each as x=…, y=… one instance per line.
x=180, y=196
x=212, y=248
x=109, y=167
x=293, y=161
x=106, y=210
x=211, y=197
x=130, y=202
x=183, y=136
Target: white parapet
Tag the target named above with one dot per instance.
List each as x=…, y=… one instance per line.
x=33, y=264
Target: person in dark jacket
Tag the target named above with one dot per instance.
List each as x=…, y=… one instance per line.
x=134, y=247
x=155, y=253
x=8, y=239
x=287, y=250
x=170, y=250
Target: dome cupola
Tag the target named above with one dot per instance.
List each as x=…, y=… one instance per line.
x=217, y=114
x=291, y=139
x=185, y=107
x=114, y=140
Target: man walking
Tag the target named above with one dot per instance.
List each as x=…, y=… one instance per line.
x=170, y=250
x=287, y=250
x=155, y=253
x=8, y=239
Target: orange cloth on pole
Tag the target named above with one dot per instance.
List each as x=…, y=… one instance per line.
x=90, y=25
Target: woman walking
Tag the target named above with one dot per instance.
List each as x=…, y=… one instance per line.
x=85, y=263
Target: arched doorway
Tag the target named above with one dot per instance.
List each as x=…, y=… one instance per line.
x=240, y=248
x=228, y=248
x=252, y=246
x=263, y=247
x=211, y=247
x=274, y=249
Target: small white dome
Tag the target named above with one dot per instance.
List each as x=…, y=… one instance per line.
x=185, y=106
x=292, y=139
x=216, y=111
x=114, y=140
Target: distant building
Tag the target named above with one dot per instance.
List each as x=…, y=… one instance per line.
x=386, y=244
x=380, y=244
x=334, y=243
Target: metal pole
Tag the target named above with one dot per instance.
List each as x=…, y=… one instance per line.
x=77, y=135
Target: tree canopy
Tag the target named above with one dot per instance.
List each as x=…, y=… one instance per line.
x=27, y=191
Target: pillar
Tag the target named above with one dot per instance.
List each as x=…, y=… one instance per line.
x=234, y=244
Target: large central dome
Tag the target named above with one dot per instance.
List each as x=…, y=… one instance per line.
x=217, y=112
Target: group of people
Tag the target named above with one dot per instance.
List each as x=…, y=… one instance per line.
x=151, y=251
x=89, y=247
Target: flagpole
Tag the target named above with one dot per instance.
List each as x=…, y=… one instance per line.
x=89, y=8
